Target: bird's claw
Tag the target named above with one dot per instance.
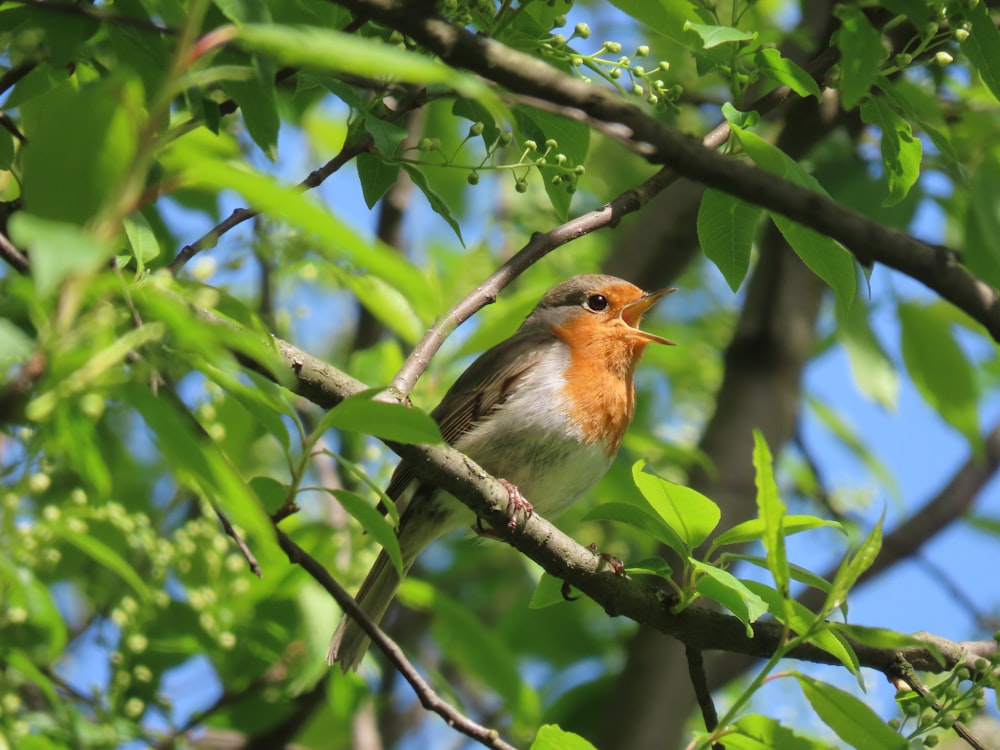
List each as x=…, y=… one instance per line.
x=616, y=565
x=517, y=504
x=565, y=591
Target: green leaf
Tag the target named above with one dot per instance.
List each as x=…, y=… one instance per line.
x=15, y=344
x=6, y=150
x=851, y=718
x=475, y=112
x=468, y=643
x=853, y=566
x=901, y=152
x=376, y=177
x=723, y=587
x=573, y=139
x=802, y=621
x=549, y=591
x=333, y=51
x=104, y=556
x=713, y=36
x=141, y=238
x=272, y=494
x=394, y=422
x=58, y=249
x=981, y=249
x=197, y=462
x=754, y=529
x=654, y=566
x=822, y=255
x=641, y=519
x=797, y=572
x=387, y=305
x=861, y=55
x=244, y=11
x=388, y=136
x=43, y=633
x=256, y=96
x=195, y=158
x=786, y=72
x=551, y=737
x=726, y=228
x=771, y=511
x=665, y=18
x=888, y=640
x=939, y=368
x=982, y=46
x=72, y=173
x=255, y=400
x=768, y=734
x=691, y=515
x=872, y=370
x=435, y=200
x=374, y=523
x=102, y=360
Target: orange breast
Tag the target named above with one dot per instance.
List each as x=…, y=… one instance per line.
x=599, y=379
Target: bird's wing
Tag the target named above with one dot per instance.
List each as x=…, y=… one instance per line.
x=484, y=386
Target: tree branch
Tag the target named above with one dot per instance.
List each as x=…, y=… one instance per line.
x=429, y=699
x=935, y=266
x=562, y=557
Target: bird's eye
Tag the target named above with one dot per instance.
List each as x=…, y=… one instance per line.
x=597, y=302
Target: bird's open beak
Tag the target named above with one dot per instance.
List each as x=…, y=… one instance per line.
x=633, y=312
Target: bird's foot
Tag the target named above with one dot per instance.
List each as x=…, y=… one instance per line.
x=518, y=504
x=616, y=565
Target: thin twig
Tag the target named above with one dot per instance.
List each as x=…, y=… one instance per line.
x=696, y=670
x=428, y=698
x=904, y=677
x=237, y=540
x=14, y=257
x=312, y=180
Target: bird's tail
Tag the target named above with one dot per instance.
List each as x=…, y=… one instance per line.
x=349, y=642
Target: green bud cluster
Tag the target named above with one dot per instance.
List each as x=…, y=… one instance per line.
x=641, y=80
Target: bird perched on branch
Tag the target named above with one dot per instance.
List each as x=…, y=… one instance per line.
x=545, y=411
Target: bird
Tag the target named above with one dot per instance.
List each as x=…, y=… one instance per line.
x=544, y=411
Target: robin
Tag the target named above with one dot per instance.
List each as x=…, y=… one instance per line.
x=546, y=410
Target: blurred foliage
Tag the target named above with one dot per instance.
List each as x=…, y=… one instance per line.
x=128, y=618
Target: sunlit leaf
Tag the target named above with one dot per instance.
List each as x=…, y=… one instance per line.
x=982, y=45
x=771, y=511
x=374, y=523
x=854, y=564
x=822, y=255
x=58, y=249
x=639, y=518
x=851, y=718
x=713, y=36
x=861, y=55
x=691, y=515
x=786, y=72
x=939, y=368
x=901, y=150
x=723, y=587
x=552, y=737
x=888, y=640
x=754, y=529
x=396, y=422
x=726, y=229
